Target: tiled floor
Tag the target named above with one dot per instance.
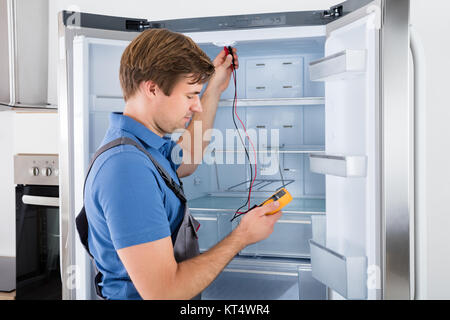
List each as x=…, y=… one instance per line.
x=7, y=296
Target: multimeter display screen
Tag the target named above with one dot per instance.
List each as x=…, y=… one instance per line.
x=278, y=195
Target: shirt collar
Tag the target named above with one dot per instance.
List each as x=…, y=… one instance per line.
x=120, y=121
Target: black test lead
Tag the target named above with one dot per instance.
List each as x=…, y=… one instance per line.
x=229, y=50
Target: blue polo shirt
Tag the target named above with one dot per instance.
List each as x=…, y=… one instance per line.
x=127, y=202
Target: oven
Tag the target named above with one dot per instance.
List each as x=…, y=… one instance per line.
x=38, y=275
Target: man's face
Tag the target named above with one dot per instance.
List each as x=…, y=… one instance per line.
x=176, y=110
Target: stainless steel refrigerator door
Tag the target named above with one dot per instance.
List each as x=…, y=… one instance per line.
x=351, y=162
x=395, y=139
x=387, y=243
x=76, y=266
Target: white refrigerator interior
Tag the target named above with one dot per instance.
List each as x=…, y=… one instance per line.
x=309, y=97
x=350, y=70
x=274, y=92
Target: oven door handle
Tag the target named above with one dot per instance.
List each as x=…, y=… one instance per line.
x=41, y=201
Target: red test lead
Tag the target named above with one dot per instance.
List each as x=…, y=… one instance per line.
x=229, y=50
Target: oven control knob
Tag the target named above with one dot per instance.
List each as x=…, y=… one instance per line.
x=34, y=171
x=47, y=172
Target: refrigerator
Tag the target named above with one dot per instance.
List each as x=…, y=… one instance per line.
x=326, y=97
x=23, y=76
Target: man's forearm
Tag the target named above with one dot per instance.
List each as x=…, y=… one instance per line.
x=196, y=274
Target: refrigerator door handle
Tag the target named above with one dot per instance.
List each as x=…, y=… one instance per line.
x=12, y=47
x=418, y=218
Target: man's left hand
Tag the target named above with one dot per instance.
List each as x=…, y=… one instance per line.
x=224, y=64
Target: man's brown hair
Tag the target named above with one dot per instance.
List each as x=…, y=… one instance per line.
x=163, y=57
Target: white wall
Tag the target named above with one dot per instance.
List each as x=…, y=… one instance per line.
x=433, y=26
x=20, y=132
x=36, y=132
x=431, y=22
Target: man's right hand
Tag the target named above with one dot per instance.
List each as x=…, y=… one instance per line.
x=156, y=274
x=256, y=225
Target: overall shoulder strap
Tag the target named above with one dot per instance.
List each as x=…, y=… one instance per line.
x=176, y=188
x=81, y=219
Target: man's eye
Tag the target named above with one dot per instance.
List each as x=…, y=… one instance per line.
x=190, y=97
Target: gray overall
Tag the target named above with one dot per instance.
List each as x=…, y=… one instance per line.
x=184, y=239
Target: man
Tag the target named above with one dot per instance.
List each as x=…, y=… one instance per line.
x=133, y=202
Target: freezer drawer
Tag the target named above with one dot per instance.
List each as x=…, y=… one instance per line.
x=290, y=238
x=214, y=226
x=264, y=279
x=310, y=288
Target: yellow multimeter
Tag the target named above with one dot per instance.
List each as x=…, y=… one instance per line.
x=282, y=196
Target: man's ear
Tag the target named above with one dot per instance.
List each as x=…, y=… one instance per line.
x=149, y=88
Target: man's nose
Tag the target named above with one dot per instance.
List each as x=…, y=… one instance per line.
x=197, y=105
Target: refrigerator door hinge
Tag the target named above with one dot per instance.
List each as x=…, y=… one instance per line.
x=334, y=12
x=142, y=25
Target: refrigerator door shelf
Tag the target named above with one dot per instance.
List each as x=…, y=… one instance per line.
x=342, y=166
x=343, y=65
x=345, y=274
x=265, y=279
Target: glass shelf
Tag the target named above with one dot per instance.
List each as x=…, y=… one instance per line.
x=280, y=149
x=230, y=204
x=278, y=102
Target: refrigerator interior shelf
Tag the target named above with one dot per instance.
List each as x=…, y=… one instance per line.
x=107, y=103
x=215, y=203
x=342, y=166
x=260, y=184
x=117, y=103
x=288, y=266
x=343, y=65
x=310, y=101
x=279, y=149
x=345, y=274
